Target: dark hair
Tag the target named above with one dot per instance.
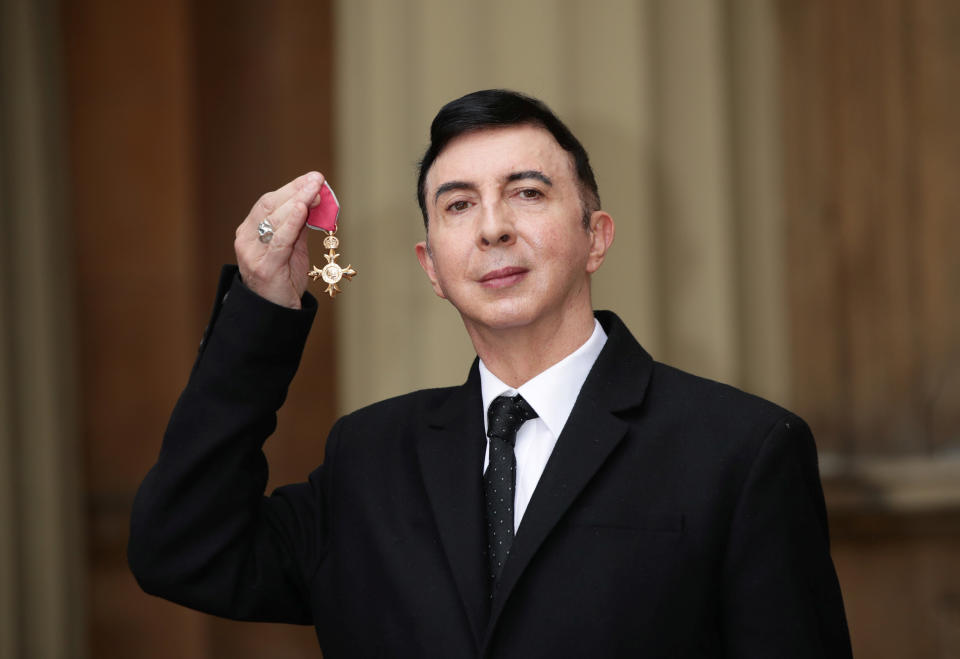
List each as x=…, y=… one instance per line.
x=501, y=107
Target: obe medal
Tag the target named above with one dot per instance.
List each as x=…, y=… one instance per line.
x=323, y=217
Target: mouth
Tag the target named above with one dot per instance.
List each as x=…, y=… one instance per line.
x=503, y=277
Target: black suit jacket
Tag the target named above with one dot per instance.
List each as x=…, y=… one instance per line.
x=676, y=517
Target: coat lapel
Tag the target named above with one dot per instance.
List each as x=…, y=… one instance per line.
x=617, y=382
x=450, y=449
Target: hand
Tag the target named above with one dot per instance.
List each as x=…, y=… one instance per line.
x=277, y=270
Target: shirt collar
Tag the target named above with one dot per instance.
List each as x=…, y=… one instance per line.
x=552, y=392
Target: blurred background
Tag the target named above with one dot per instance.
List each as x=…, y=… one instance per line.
x=784, y=176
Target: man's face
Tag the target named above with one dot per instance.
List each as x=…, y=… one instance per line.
x=506, y=242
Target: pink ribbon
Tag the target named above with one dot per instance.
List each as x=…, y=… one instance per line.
x=324, y=215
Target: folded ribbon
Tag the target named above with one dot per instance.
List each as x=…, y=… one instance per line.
x=323, y=216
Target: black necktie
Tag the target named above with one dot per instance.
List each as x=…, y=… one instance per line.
x=504, y=419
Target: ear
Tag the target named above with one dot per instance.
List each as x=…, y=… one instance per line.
x=601, y=237
x=426, y=262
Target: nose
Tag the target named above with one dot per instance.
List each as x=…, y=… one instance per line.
x=496, y=226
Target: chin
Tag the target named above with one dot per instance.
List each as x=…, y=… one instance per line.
x=506, y=314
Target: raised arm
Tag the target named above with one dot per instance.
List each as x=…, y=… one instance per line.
x=202, y=532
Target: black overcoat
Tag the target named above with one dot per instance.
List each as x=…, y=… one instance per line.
x=676, y=517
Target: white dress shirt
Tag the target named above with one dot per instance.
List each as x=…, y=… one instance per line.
x=551, y=394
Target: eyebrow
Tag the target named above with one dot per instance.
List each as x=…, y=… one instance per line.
x=530, y=173
x=515, y=176
x=452, y=185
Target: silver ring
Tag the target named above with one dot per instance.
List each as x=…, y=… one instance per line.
x=265, y=231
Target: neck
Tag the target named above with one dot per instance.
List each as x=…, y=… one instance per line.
x=516, y=355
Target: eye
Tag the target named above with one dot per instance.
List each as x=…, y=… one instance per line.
x=459, y=206
x=530, y=193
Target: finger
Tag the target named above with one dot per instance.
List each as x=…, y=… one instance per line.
x=249, y=233
x=299, y=265
x=290, y=218
x=271, y=256
x=268, y=203
x=288, y=222
x=281, y=275
x=273, y=200
x=266, y=267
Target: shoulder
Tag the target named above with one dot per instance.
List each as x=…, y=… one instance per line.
x=378, y=440
x=718, y=437
x=673, y=387
x=717, y=417
x=675, y=403
x=398, y=414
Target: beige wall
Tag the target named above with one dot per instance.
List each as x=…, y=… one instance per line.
x=676, y=103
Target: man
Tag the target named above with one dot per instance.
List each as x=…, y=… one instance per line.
x=615, y=507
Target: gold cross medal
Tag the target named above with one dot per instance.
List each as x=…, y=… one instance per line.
x=323, y=217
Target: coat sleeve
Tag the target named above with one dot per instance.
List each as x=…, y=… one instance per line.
x=202, y=532
x=781, y=593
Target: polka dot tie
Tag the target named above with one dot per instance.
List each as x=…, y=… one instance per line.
x=504, y=419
